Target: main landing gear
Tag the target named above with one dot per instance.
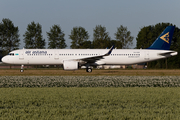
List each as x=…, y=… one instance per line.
x=88, y=69
x=22, y=68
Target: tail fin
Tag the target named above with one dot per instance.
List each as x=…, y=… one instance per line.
x=163, y=42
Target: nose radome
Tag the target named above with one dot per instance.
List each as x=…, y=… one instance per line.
x=4, y=60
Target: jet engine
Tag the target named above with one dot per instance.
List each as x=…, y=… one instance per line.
x=70, y=65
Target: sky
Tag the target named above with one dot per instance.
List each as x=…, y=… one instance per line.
x=133, y=14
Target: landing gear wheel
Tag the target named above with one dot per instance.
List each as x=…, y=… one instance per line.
x=21, y=70
x=88, y=70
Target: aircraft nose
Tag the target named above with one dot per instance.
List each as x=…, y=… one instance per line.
x=4, y=59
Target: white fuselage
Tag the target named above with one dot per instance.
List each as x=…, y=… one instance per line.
x=57, y=56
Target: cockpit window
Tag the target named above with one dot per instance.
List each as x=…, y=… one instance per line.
x=11, y=54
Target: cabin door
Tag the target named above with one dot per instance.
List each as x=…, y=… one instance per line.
x=56, y=55
x=146, y=55
x=21, y=54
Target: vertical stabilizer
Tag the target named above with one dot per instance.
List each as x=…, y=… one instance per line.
x=163, y=42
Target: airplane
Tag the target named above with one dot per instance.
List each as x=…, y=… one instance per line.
x=73, y=59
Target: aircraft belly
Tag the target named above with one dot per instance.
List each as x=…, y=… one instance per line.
x=43, y=61
x=122, y=60
x=17, y=61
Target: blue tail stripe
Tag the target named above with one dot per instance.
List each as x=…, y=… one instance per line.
x=163, y=42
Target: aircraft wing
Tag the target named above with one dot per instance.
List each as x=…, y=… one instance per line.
x=95, y=58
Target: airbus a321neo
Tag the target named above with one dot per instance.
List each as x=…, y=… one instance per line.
x=72, y=59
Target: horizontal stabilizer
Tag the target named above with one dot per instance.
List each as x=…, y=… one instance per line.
x=172, y=53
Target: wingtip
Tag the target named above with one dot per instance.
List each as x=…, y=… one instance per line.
x=112, y=47
x=111, y=50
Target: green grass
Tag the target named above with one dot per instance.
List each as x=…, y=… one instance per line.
x=90, y=103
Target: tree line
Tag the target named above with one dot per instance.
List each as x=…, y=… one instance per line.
x=9, y=39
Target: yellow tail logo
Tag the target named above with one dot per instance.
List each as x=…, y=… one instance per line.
x=165, y=37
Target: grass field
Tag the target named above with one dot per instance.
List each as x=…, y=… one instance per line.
x=90, y=103
x=102, y=94
x=59, y=72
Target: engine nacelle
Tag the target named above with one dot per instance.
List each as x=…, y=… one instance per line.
x=70, y=65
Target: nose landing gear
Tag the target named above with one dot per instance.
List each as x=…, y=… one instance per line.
x=22, y=68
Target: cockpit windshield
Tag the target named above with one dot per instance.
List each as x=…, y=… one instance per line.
x=11, y=54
